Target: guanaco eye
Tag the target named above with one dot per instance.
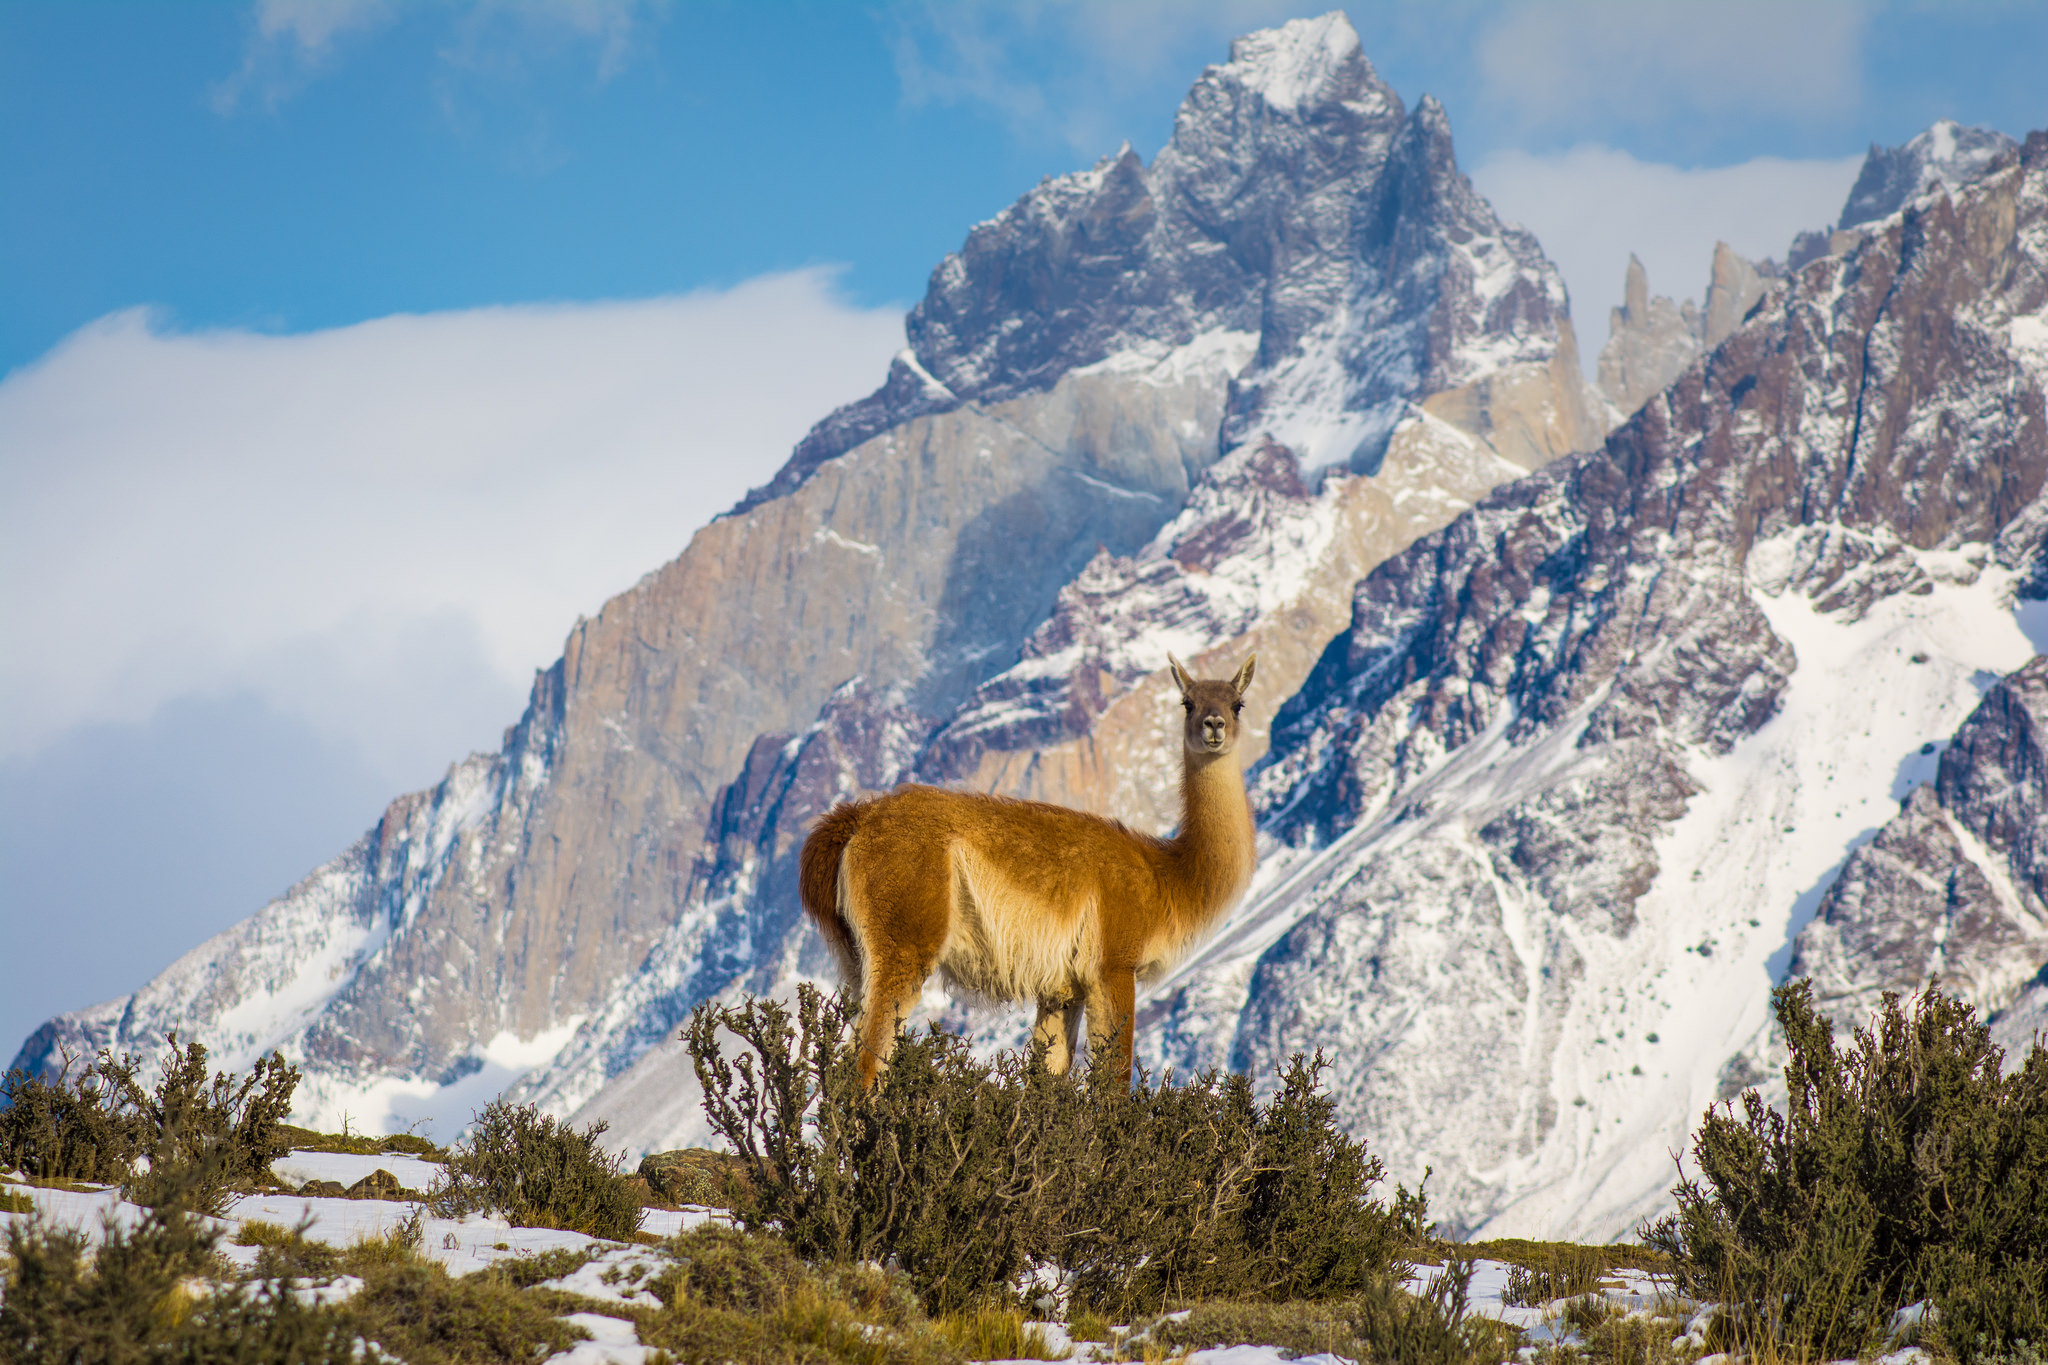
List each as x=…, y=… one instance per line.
x=1237, y=708
x=1188, y=707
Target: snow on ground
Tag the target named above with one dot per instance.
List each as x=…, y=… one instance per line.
x=411, y=1172
x=613, y=1341
x=617, y=1274
x=1869, y=707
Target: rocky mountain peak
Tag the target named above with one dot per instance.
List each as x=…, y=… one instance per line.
x=1948, y=154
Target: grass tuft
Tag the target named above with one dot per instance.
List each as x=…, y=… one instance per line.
x=991, y=1333
x=745, y=1297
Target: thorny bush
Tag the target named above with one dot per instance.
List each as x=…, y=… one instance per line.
x=151, y=1292
x=973, y=1174
x=537, y=1172
x=94, y=1128
x=1904, y=1167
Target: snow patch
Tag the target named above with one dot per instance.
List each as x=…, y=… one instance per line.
x=1292, y=65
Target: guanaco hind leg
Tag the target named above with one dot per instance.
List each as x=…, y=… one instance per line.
x=891, y=992
x=917, y=910
x=1059, y=1029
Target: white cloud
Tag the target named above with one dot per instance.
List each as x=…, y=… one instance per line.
x=291, y=42
x=1576, y=63
x=977, y=52
x=1593, y=205
x=382, y=529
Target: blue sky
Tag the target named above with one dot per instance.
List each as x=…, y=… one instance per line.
x=350, y=348
x=364, y=158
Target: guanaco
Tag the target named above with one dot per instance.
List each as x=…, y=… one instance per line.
x=1024, y=901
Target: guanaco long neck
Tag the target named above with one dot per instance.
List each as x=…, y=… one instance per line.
x=1214, y=852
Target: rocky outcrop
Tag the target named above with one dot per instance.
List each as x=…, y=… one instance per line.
x=1650, y=339
x=1955, y=887
x=1947, y=156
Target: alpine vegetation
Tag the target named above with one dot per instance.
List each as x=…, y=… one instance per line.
x=1003, y=1177
x=1907, y=1168
x=1021, y=900
x=536, y=1171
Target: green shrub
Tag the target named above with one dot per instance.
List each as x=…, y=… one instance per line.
x=66, y=1129
x=1905, y=1167
x=139, y=1297
x=533, y=1171
x=967, y=1172
x=222, y=1134
x=744, y=1297
x=418, y=1312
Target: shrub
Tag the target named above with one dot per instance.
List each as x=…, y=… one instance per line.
x=66, y=1130
x=536, y=1172
x=229, y=1131
x=1904, y=1167
x=417, y=1311
x=137, y=1298
x=968, y=1172
x=744, y=1297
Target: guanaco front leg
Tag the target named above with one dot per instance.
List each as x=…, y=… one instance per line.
x=1112, y=1014
x=1057, y=1030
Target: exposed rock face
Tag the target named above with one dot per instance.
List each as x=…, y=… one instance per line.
x=1955, y=886
x=1302, y=272
x=1734, y=286
x=1650, y=340
x=1298, y=203
x=1547, y=817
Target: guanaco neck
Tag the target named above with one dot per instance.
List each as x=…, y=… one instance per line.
x=1213, y=853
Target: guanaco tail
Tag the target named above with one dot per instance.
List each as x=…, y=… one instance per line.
x=1025, y=901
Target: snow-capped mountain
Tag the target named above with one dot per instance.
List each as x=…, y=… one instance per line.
x=1301, y=292
x=1549, y=819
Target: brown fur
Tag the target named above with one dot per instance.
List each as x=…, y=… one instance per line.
x=1020, y=900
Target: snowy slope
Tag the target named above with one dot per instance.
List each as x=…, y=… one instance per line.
x=1548, y=820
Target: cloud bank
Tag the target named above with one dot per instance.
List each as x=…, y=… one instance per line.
x=342, y=521
x=1569, y=63
x=1593, y=205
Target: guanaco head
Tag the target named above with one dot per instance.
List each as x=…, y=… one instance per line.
x=1212, y=706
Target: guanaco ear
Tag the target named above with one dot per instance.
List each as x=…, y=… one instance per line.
x=1243, y=678
x=1180, y=675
